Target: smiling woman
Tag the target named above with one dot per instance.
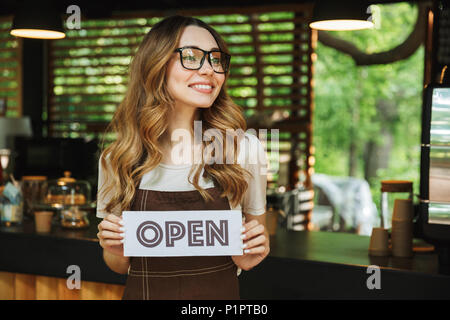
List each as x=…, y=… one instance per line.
x=177, y=77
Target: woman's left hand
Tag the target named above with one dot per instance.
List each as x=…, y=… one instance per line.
x=256, y=245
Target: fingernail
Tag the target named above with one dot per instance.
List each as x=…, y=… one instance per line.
x=122, y=235
x=247, y=251
x=242, y=229
x=122, y=229
x=122, y=241
x=244, y=245
x=243, y=236
x=121, y=222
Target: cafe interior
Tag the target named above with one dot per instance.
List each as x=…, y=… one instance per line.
x=63, y=72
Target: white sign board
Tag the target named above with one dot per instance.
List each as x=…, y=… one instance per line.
x=182, y=233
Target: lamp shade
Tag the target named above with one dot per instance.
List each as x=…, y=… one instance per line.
x=340, y=15
x=36, y=23
x=14, y=127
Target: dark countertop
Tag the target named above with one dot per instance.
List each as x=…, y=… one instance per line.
x=22, y=250
x=348, y=249
x=326, y=265
x=301, y=264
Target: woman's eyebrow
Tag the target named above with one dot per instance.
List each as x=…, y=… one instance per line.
x=215, y=48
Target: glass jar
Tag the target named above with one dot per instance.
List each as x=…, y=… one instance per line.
x=5, y=154
x=11, y=205
x=391, y=190
x=72, y=199
x=34, y=189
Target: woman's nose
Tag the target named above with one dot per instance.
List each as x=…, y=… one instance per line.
x=206, y=67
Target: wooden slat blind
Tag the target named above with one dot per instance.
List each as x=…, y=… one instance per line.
x=10, y=68
x=271, y=71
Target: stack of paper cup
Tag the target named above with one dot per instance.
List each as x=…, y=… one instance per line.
x=43, y=221
x=379, y=242
x=402, y=228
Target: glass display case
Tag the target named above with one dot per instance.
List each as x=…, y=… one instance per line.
x=71, y=199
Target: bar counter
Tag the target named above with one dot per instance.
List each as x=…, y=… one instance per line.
x=301, y=265
x=23, y=250
x=327, y=265
x=35, y=266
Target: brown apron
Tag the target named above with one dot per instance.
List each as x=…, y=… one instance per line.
x=185, y=278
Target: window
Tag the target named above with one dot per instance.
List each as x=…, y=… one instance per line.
x=10, y=69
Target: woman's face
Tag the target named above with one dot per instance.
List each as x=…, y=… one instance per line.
x=194, y=88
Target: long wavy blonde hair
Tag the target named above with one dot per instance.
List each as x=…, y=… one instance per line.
x=142, y=118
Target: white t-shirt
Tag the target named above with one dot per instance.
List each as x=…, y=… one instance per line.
x=164, y=177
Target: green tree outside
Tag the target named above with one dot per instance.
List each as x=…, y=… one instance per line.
x=364, y=105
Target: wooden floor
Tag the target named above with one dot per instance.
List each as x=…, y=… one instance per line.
x=18, y=286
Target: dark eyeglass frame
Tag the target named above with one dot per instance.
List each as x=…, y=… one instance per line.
x=205, y=53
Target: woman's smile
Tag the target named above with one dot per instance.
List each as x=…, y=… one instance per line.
x=202, y=87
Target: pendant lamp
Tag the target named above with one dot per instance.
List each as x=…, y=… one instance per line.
x=37, y=23
x=341, y=15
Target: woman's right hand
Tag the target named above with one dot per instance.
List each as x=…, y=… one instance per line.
x=111, y=234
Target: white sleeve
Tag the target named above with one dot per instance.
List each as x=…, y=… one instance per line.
x=254, y=200
x=102, y=200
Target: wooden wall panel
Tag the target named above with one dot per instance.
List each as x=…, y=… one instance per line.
x=92, y=290
x=7, y=286
x=46, y=288
x=18, y=286
x=114, y=292
x=25, y=286
x=65, y=293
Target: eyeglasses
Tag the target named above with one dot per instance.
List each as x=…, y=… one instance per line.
x=193, y=58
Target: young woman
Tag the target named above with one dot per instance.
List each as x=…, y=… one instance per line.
x=177, y=78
